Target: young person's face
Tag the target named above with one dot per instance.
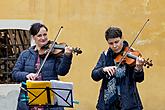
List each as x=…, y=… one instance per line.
x=115, y=44
x=41, y=37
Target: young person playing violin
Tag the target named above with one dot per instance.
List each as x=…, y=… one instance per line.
x=29, y=61
x=118, y=90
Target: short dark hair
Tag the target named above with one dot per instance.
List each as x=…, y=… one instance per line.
x=113, y=32
x=35, y=28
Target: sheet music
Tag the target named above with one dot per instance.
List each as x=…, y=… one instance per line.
x=64, y=93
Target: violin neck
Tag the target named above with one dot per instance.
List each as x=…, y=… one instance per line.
x=59, y=47
x=131, y=56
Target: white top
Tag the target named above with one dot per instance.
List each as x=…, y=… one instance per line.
x=17, y=24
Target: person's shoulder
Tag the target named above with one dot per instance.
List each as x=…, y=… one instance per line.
x=104, y=52
x=27, y=51
x=24, y=52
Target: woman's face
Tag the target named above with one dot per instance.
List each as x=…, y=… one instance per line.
x=115, y=44
x=41, y=37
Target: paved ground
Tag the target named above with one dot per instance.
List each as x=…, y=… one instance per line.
x=8, y=96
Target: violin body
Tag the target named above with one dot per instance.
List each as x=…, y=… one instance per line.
x=130, y=57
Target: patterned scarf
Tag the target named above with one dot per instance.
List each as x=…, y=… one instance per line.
x=112, y=91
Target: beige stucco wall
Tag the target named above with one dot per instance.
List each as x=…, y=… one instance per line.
x=84, y=24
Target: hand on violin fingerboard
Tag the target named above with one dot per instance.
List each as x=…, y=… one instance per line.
x=139, y=63
x=68, y=50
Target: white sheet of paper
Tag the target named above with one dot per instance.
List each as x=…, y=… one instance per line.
x=61, y=90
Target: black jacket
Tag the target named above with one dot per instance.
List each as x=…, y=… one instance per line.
x=129, y=94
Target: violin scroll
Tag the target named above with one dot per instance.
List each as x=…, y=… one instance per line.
x=148, y=63
x=77, y=50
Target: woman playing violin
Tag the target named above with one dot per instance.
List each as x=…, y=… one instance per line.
x=30, y=60
x=118, y=90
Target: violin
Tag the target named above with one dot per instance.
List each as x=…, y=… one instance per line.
x=58, y=49
x=54, y=48
x=131, y=56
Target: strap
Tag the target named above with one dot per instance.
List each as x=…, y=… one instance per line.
x=38, y=63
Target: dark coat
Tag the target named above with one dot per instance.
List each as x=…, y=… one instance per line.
x=25, y=64
x=130, y=99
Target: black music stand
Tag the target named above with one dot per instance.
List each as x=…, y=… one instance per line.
x=56, y=96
